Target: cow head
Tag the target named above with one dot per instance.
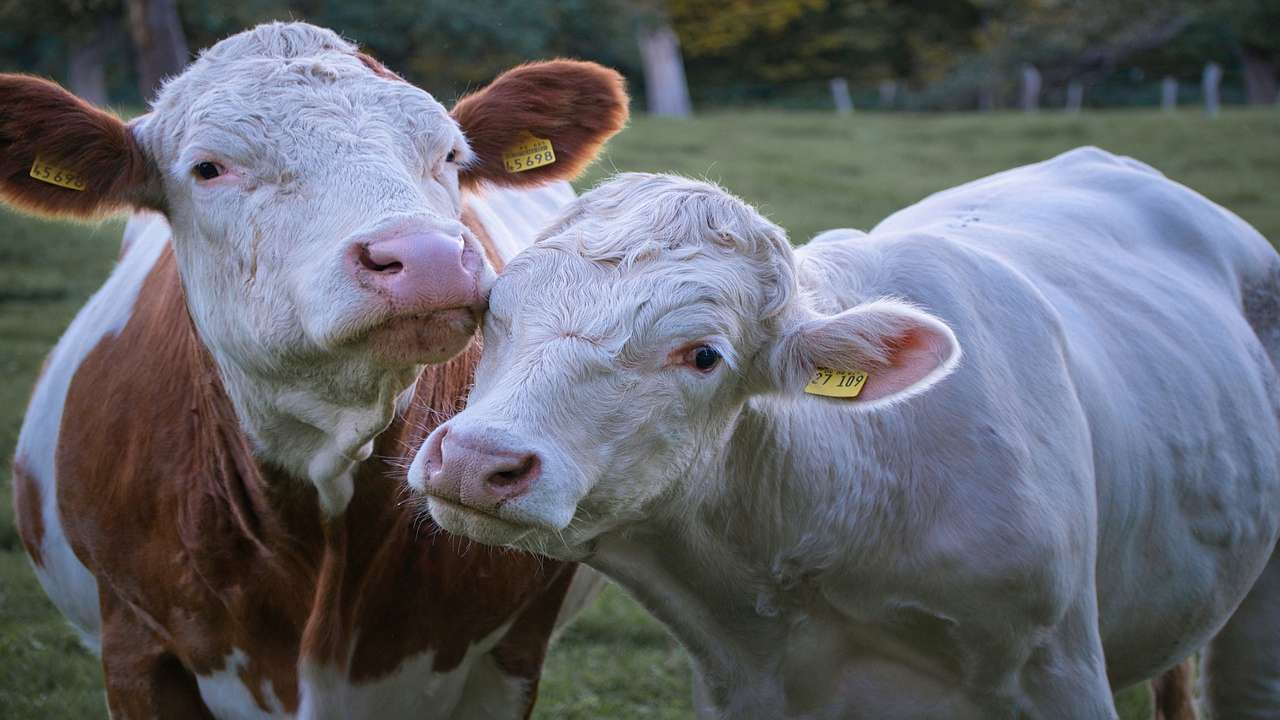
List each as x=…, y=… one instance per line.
x=314, y=196
x=620, y=350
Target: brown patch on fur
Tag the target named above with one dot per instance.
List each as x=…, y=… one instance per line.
x=576, y=105
x=198, y=549
x=37, y=117
x=477, y=228
x=1173, y=693
x=27, y=511
x=378, y=68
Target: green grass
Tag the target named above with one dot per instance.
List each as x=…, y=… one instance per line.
x=808, y=172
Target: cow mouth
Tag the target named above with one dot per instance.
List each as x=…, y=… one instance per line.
x=421, y=339
x=483, y=527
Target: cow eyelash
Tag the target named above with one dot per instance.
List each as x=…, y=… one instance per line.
x=701, y=357
x=208, y=170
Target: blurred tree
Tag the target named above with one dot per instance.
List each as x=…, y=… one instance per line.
x=83, y=34
x=158, y=40
x=939, y=53
x=1079, y=40
x=781, y=41
x=1090, y=39
x=1255, y=33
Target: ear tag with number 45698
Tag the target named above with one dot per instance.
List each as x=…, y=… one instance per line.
x=54, y=175
x=528, y=153
x=836, y=383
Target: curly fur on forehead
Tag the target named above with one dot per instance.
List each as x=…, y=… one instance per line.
x=283, y=92
x=302, y=47
x=643, y=219
x=280, y=40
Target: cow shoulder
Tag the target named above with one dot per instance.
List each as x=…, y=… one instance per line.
x=163, y=501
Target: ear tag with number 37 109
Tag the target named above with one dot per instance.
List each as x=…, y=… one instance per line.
x=836, y=383
x=54, y=175
x=528, y=153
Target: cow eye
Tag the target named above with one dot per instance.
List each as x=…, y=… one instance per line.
x=207, y=170
x=453, y=154
x=705, y=357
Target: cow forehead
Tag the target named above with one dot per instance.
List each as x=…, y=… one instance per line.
x=559, y=293
x=295, y=86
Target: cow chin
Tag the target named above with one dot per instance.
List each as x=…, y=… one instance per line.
x=482, y=527
x=423, y=339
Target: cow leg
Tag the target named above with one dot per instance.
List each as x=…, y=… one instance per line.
x=1242, y=663
x=1067, y=676
x=143, y=679
x=1173, y=694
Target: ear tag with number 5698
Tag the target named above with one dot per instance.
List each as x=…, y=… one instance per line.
x=54, y=175
x=836, y=383
x=528, y=153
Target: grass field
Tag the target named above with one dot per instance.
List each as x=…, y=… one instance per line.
x=808, y=172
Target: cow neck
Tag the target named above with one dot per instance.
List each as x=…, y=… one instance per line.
x=765, y=518
x=321, y=426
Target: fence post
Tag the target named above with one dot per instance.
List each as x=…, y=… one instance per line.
x=1030, y=88
x=1075, y=96
x=986, y=98
x=888, y=94
x=840, y=96
x=1212, y=78
x=1169, y=93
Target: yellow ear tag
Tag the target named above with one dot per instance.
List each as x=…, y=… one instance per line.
x=528, y=153
x=836, y=383
x=54, y=175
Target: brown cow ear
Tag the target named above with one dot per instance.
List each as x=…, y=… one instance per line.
x=574, y=106
x=61, y=156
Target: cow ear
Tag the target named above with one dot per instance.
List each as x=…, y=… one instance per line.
x=901, y=350
x=89, y=162
x=574, y=106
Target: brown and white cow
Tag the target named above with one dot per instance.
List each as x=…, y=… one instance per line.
x=208, y=480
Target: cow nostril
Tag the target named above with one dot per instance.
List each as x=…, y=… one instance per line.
x=435, y=448
x=527, y=469
x=367, y=261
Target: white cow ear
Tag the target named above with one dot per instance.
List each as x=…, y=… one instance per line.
x=901, y=349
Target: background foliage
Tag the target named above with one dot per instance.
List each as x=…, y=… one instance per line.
x=945, y=54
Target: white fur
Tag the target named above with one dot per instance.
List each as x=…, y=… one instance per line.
x=512, y=217
x=66, y=581
x=227, y=697
x=1084, y=499
x=415, y=690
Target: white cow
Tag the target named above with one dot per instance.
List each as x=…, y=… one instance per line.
x=1060, y=476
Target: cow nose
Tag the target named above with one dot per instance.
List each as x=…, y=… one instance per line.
x=477, y=472
x=420, y=271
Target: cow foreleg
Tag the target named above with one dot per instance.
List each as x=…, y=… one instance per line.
x=1066, y=677
x=142, y=678
x=1242, y=663
x=1173, y=694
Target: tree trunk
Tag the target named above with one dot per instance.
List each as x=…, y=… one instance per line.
x=158, y=40
x=86, y=74
x=664, y=82
x=1259, y=77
